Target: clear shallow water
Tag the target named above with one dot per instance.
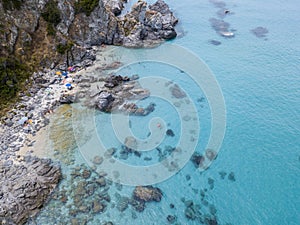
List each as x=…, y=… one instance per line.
x=261, y=86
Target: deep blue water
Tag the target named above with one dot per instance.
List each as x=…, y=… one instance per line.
x=260, y=82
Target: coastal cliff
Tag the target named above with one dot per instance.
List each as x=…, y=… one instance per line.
x=46, y=33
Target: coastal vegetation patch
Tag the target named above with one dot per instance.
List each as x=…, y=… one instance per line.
x=63, y=48
x=12, y=4
x=86, y=6
x=13, y=74
x=51, y=15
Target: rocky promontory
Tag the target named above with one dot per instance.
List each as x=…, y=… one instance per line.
x=117, y=95
x=47, y=32
x=25, y=187
x=35, y=35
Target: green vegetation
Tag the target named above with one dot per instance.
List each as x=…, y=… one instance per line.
x=12, y=76
x=86, y=6
x=63, y=48
x=51, y=14
x=12, y=4
x=50, y=29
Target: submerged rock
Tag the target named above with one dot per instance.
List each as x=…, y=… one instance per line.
x=122, y=204
x=171, y=219
x=260, y=32
x=197, y=160
x=221, y=27
x=210, y=154
x=215, y=42
x=97, y=160
x=97, y=206
x=170, y=132
x=147, y=194
x=177, y=92
x=231, y=176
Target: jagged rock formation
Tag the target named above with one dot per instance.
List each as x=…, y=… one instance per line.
x=46, y=32
x=25, y=187
x=143, y=194
x=117, y=94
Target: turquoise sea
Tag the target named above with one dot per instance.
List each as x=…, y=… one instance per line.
x=255, y=177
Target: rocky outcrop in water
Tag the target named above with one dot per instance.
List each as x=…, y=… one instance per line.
x=144, y=25
x=117, y=94
x=25, y=187
x=147, y=194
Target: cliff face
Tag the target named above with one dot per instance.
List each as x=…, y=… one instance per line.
x=36, y=34
x=43, y=32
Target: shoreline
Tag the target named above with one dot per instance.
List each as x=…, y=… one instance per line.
x=24, y=128
x=26, y=155
x=26, y=144
x=38, y=108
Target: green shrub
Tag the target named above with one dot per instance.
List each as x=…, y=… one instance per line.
x=12, y=77
x=86, y=6
x=12, y=4
x=50, y=29
x=51, y=13
x=63, y=48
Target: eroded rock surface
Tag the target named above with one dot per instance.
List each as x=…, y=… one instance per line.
x=66, y=35
x=25, y=187
x=117, y=95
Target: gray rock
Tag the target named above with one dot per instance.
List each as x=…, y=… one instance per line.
x=116, y=6
x=29, y=184
x=67, y=99
x=104, y=101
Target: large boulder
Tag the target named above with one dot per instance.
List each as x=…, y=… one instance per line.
x=104, y=101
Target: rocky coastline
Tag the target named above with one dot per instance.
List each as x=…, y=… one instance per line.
x=48, y=33
x=141, y=27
